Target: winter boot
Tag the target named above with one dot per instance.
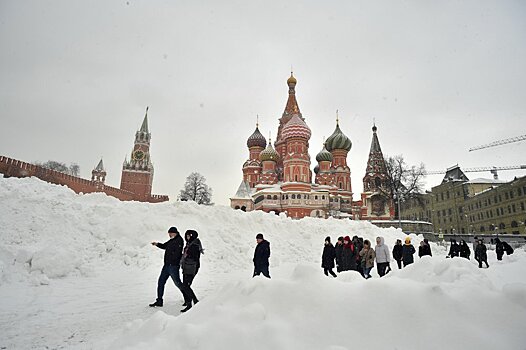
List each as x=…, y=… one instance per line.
x=188, y=307
x=158, y=303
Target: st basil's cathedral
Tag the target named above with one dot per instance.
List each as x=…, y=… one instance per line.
x=279, y=179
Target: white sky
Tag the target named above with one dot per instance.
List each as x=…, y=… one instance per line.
x=438, y=76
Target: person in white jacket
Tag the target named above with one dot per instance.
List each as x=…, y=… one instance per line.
x=383, y=256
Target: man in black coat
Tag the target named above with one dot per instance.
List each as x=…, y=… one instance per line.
x=481, y=254
x=397, y=253
x=173, y=250
x=261, y=256
x=327, y=258
x=499, y=248
x=338, y=249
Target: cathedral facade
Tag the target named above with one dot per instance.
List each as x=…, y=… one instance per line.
x=279, y=178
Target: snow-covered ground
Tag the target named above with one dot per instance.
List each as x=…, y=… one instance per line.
x=78, y=272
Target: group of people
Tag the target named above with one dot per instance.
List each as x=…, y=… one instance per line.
x=179, y=257
x=357, y=254
x=462, y=250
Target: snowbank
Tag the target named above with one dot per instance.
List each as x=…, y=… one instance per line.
x=431, y=305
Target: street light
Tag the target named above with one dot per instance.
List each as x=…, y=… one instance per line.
x=399, y=212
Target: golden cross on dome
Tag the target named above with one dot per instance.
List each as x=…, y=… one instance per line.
x=337, y=118
x=257, y=120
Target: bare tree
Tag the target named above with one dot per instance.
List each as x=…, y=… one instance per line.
x=73, y=169
x=404, y=181
x=196, y=190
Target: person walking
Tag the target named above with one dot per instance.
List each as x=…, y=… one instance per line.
x=407, y=252
x=367, y=256
x=189, y=263
x=465, y=252
x=327, y=258
x=398, y=253
x=338, y=250
x=349, y=255
x=481, y=254
x=383, y=256
x=261, y=256
x=173, y=250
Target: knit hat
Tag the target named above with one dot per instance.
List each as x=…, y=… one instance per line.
x=407, y=240
x=347, y=238
x=328, y=239
x=259, y=236
x=340, y=239
x=173, y=229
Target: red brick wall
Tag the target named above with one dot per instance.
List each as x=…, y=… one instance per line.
x=16, y=168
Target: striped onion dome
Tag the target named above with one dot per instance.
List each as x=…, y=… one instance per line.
x=296, y=127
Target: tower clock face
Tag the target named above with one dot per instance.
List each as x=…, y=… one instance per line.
x=138, y=155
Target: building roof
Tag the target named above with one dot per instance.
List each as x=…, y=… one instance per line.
x=257, y=139
x=100, y=166
x=244, y=191
x=292, y=105
x=454, y=173
x=338, y=140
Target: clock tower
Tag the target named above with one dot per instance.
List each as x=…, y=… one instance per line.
x=137, y=173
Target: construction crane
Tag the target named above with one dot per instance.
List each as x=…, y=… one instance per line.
x=500, y=142
x=491, y=169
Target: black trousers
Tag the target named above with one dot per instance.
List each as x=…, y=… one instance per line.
x=187, y=290
x=381, y=267
x=327, y=271
x=399, y=263
x=261, y=270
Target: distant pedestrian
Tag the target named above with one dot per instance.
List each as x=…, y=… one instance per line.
x=397, y=253
x=261, y=256
x=454, y=249
x=349, y=255
x=367, y=256
x=499, y=248
x=481, y=253
x=465, y=252
x=383, y=256
x=173, y=250
x=339, y=249
x=424, y=249
x=327, y=258
x=407, y=252
x=358, y=245
x=189, y=263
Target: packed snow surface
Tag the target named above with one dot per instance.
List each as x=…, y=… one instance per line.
x=78, y=272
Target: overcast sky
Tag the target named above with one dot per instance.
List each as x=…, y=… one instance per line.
x=437, y=76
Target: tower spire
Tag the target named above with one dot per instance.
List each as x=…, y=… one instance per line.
x=337, y=118
x=292, y=105
x=257, y=120
x=144, y=126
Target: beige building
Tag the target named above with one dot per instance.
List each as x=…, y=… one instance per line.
x=462, y=206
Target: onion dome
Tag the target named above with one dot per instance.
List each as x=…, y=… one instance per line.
x=296, y=127
x=257, y=139
x=324, y=155
x=316, y=169
x=291, y=80
x=338, y=140
x=269, y=153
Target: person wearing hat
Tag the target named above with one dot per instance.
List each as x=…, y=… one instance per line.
x=407, y=252
x=481, y=254
x=327, y=258
x=261, y=256
x=189, y=265
x=173, y=250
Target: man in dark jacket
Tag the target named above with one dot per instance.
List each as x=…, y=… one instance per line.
x=481, y=254
x=465, y=252
x=338, y=250
x=261, y=256
x=397, y=253
x=407, y=252
x=499, y=248
x=173, y=250
x=327, y=258
x=454, y=250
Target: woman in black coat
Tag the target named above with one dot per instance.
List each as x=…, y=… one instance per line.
x=339, y=250
x=465, y=252
x=349, y=254
x=481, y=254
x=327, y=258
x=189, y=265
x=397, y=253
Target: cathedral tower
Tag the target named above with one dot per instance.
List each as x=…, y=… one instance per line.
x=252, y=167
x=324, y=176
x=377, y=203
x=339, y=145
x=98, y=175
x=137, y=174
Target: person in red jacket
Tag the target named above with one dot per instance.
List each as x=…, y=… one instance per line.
x=349, y=254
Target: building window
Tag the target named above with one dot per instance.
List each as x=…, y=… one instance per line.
x=519, y=191
x=447, y=194
x=323, y=197
x=442, y=196
x=316, y=197
x=511, y=194
x=506, y=196
x=522, y=206
x=269, y=196
x=449, y=211
x=513, y=208
x=482, y=229
x=509, y=209
x=293, y=196
x=275, y=197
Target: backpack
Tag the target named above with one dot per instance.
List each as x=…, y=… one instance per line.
x=507, y=248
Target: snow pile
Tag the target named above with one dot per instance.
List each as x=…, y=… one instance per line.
x=78, y=272
x=48, y=232
x=429, y=305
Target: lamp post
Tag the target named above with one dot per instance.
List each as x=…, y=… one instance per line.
x=399, y=212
